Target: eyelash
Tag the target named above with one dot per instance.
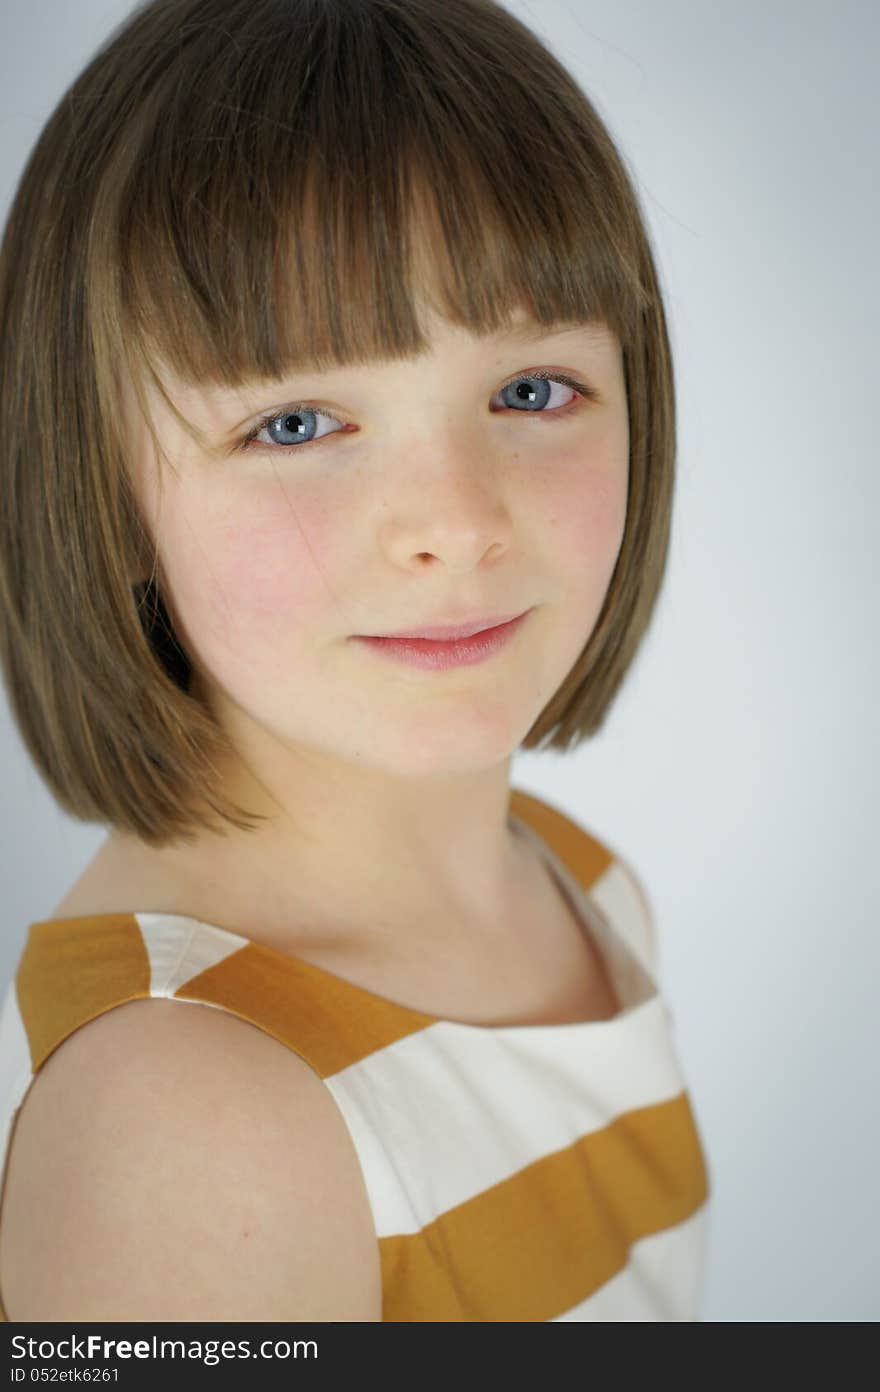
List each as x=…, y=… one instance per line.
x=583, y=391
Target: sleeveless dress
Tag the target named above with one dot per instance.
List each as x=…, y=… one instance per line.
x=525, y=1172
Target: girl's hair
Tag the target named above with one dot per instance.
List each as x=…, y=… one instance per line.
x=236, y=188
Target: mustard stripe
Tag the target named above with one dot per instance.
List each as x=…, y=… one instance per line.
x=71, y=971
x=581, y=853
x=530, y=1092
x=329, y=1021
x=536, y=1244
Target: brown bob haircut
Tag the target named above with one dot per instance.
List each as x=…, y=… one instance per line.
x=215, y=162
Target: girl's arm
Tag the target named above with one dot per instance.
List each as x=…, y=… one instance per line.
x=173, y=1162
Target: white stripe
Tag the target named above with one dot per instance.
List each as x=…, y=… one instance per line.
x=662, y=1280
x=180, y=948
x=442, y=1114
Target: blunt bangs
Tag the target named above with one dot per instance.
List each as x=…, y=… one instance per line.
x=314, y=183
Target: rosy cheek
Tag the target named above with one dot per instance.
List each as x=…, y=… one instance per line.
x=250, y=576
x=600, y=510
x=274, y=563
x=585, y=508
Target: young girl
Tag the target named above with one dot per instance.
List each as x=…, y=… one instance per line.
x=326, y=323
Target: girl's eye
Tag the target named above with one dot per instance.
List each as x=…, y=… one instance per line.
x=533, y=391
x=297, y=426
x=294, y=426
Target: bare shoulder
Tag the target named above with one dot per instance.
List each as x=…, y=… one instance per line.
x=174, y=1162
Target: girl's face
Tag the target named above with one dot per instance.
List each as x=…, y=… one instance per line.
x=382, y=498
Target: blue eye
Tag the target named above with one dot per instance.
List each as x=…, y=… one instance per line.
x=293, y=426
x=296, y=426
x=535, y=397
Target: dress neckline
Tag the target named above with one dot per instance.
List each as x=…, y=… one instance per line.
x=633, y=984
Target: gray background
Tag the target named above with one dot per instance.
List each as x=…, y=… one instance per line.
x=737, y=768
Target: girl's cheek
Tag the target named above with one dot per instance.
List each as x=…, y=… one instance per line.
x=245, y=574
x=585, y=502
x=599, y=514
x=273, y=559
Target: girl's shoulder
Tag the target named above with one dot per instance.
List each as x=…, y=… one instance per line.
x=178, y=1153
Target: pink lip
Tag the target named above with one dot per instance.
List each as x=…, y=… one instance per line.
x=447, y=633
x=438, y=655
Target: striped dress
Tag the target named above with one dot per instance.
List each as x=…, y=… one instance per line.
x=524, y=1172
